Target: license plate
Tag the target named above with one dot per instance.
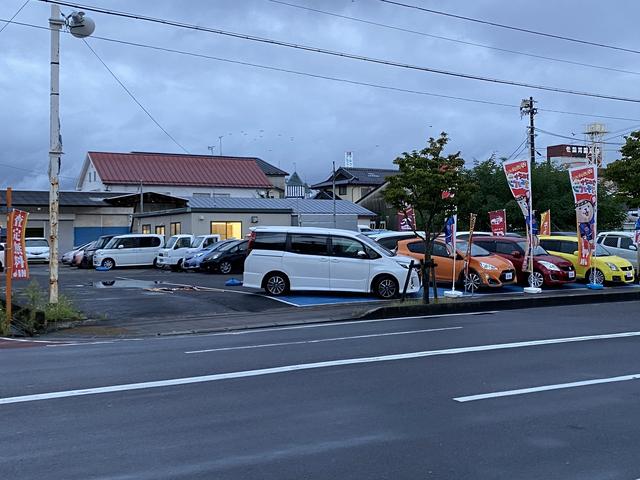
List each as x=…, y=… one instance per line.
x=508, y=276
x=572, y=274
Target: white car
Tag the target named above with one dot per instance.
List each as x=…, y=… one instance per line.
x=67, y=257
x=2, y=247
x=621, y=244
x=37, y=249
x=202, y=242
x=129, y=250
x=174, y=252
x=322, y=259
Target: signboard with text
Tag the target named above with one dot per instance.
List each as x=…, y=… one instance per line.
x=17, y=227
x=498, y=221
x=583, y=185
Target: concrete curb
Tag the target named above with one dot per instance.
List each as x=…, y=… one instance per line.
x=396, y=311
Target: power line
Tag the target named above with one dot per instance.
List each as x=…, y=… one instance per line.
x=335, y=53
x=331, y=78
x=570, y=138
x=449, y=39
x=510, y=27
x=14, y=16
x=134, y=98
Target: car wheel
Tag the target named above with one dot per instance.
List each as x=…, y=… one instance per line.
x=276, y=284
x=108, y=263
x=536, y=279
x=225, y=268
x=386, y=287
x=596, y=276
x=472, y=282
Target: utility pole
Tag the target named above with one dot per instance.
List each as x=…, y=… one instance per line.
x=333, y=191
x=55, y=150
x=527, y=108
x=220, y=141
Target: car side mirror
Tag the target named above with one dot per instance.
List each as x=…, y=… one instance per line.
x=120, y=246
x=362, y=254
x=633, y=247
x=575, y=253
x=516, y=254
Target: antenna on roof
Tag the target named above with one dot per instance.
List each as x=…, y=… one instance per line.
x=348, y=159
x=210, y=148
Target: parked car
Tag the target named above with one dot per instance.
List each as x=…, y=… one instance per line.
x=620, y=244
x=2, y=257
x=485, y=269
x=37, y=249
x=548, y=270
x=226, y=259
x=87, y=258
x=129, y=250
x=67, y=257
x=465, y=234
x=389, y=240
x=605, y=268
x=193, y=260
x=172, y=255
x=321, y=259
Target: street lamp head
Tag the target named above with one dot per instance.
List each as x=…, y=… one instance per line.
x=80, y=26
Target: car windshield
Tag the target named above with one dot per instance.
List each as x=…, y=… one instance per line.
x=172, y=242
x=198, y=241
x=536, y=251
x=36, y=242
x=228, y=246
x=102, y=242
x=602, y=251
x=476, y=251
x=375, y=245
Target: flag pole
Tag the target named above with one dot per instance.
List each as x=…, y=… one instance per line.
x=453, y=293
x=530, y=288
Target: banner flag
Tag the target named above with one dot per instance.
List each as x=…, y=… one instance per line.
x=498, y=221
x=638, y=231
x=583, y=184
x=472, y=224
x=545, y=223
x=450, y=232
x=17, y=226
x=406, y=220
x=519, y=181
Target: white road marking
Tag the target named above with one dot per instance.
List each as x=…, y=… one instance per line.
x=544, y=388
x=303, y=366
x=335, y=339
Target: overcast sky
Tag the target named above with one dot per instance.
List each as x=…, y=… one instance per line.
x=290, y=119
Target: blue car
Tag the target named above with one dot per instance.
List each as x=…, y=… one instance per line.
x=192, y=262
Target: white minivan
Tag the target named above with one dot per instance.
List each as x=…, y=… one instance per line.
x=129, y=250
x=172, y=255
x=322, y=259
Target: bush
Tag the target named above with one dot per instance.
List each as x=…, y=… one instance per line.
x=63, y=311
x=35, y=297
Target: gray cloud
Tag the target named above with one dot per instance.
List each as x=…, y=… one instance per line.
x=285, y=118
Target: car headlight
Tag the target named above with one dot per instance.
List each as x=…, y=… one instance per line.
x=549, y=266
x=214, y=256
x=612, y=266
x=403, y=264
x=487, y=266
x=199, y=254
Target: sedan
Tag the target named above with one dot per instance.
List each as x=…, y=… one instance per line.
x=227, y=259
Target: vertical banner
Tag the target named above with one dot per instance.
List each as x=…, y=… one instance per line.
x=583, y=185
x=518, y=173
x=450, y=233
x=545, y=223
x=18, y=225
x=638, y=232
x=472, y=225
x=406, y=220
x=498, y=221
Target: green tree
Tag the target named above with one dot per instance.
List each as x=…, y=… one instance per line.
x=424, y=175
x=625, y=173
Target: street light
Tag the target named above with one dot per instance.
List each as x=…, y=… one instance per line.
x=80, y=26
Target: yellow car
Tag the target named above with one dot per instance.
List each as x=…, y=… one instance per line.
x=605, y=267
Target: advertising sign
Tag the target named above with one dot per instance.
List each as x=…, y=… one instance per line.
x=545, y=223
x=638, y=232
x=519, y=181
x=406, y=220
x=498, y=221
x=450, y=233
x=583, y=185
x=18, y=225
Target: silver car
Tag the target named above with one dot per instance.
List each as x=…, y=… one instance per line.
x=620, y=244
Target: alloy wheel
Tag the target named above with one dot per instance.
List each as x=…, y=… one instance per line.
x=276, y=285
x=536, y=279
x=387, y=288
x=472, y=281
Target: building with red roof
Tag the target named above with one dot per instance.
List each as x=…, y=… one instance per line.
x=181, y=175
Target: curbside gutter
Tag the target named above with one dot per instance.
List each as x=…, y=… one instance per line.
x=466, y=306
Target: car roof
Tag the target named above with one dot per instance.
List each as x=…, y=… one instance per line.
x=380, y=236
x=501, y=238
x=127, y=235
x=558, y=237
x=310, y=230
x=619, y=232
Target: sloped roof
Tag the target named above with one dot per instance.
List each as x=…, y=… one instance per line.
x=179, y=170
x=295, y=180
x=67, y=199
x=304, y=206
x=358, y=176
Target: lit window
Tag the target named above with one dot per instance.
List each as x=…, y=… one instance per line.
x=227, y=230
x=175, y=228
x=159, y=229
x=146, y=228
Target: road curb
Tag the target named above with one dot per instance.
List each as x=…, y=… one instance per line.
x=396, y=311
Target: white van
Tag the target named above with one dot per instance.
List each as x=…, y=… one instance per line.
x=129, y=250
x=173, y=253
x=37, y=249
x=202, y=242
x=322, y=259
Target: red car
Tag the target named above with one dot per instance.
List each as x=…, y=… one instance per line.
x=548, y=269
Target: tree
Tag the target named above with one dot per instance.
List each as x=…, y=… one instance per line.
x=424, y=176
x=625, y=173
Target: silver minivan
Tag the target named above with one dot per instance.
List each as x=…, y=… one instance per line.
x=129, y=250
x=620, y=244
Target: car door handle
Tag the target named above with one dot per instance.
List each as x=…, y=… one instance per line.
x=324, y=259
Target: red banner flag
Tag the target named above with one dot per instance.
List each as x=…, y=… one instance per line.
x=498, y=220
x=545, y=223
x=17, y=227
x=406, y=220
x=583, y=184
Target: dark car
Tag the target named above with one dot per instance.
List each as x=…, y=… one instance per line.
x=548, y=269
x=87, y=258
x=227, y=259
x=193, y=261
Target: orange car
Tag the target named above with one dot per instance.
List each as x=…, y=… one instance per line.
x=485, y=269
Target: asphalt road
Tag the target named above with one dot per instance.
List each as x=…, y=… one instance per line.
x=392, y=399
